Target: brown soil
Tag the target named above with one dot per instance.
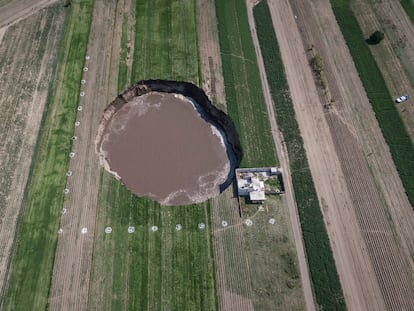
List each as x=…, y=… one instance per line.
x=161, y=148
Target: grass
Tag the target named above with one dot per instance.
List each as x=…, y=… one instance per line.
x=167, y=269
x=392, y=127
x=322, y=268
x=278, y=262
x=244, y=94
x=30, y=278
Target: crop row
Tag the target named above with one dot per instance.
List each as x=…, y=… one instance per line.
x=37, y=233
x=323, y=272
x=244, y=93
x=392, y=127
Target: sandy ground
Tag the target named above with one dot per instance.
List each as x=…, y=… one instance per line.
x=22, y=111
x=348, y=158
x=284, y=162
x=72, y=267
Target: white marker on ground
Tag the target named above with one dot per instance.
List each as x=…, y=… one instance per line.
x=154, y=228
x=84, y=230
x=248, y=222
x=201, y=226
x=108, y=230
x=178, y=227
x=131, y=229
x=224, y=223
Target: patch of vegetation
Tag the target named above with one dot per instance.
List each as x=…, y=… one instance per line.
x=408, y=6
x=322, y=268
x=244, y=93
x=392, y=127
x=319, y=69
x=37, y=237
x=166, y=269
x=270, y=249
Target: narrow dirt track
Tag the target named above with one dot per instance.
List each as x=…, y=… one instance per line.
x=72, y=267
x=210, y=59
x=284, y=162
x=372, y=258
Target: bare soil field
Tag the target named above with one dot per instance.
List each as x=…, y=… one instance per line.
x=349, y=161
x=72, y=266
x=28, y=54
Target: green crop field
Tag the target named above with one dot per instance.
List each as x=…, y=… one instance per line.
x=244, y=93
x=408, y=6
x=324, y=276
x=395, y=134
x=166, y=269
x=33, y=262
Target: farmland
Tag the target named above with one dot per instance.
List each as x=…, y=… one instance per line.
x=21, y=114
x=33, y=262
x=30, y=278
x=321, y=263
x=395, y=134
x=244, y=93
x=97, y=246
x=164, y=269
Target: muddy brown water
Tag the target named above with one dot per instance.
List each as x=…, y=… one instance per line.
x=161, y=148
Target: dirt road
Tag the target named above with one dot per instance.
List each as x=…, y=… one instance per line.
x=346, y=151
x=72, y=266
x=284, y=162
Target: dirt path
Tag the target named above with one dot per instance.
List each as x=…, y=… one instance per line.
x=210, y=58
x=72, y=267
x=284, y=162
x=345, y=147
x=21, y=114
